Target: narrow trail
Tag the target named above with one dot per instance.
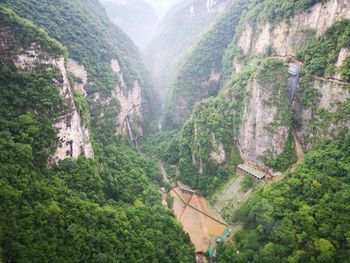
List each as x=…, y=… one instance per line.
x=298, y=148
x=164, y=173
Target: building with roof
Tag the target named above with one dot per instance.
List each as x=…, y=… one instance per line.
x=249, y=170
x=185, y=189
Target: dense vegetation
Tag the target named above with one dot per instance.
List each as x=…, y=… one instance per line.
x=102, y=210
x=28, y=33
x=275, y=11
x=92, y=40
x=192, y=82
x=214, y=54
x=326, y=57
x=304, y=218
x=321, y=54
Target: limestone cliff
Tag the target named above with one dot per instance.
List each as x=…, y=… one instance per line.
x=73, y=135
x=102, y=92
x=325, y=117
x=128, y=120
x=252, y=114
x=287, y=37
x=260, y=131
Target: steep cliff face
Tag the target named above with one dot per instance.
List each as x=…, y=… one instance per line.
x=94, y=52
x=73, y=135
x=251, y=117
x=130, y=116
x=326, y=115
x=259, y=122
x=289, y=36
x=262, y=130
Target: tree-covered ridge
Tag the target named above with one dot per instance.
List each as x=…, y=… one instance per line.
x=92, y=40
x=214, y=53
x=320, y=51
x=304, y=218
x=84, y=24
x=27, y=33
x=275, y=11
x=205, y=57
x=102, y=210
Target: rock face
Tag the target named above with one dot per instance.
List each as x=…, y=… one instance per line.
x=255, y=139
x=263, y=118
x=130, y=106
x=73, y=136
x=79, y=72
x=218, y=154
x=325, y=119
x=287, y=37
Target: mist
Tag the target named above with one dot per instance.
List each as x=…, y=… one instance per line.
x=139, y=19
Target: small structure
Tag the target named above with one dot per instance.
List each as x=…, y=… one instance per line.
x=185, y=189
x=294, y=70
x=247, y=169
x=212, y=252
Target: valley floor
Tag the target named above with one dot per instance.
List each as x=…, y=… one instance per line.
x=197, y=219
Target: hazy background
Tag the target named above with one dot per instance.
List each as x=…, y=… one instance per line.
x=138, y=18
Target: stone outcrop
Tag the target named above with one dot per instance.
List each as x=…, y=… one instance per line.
x=74, y=137
x=130, y=105
x=218, y=154
x=315, y=125
x=287, y=37
x=79, y=72
x=254, y=138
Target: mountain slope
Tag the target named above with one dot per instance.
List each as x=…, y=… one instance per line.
x=262, y=117
x=252, y=114
x=112, y=62
x=77, y=209
x=199, y=74
x=181, y=27
x=303, y=218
